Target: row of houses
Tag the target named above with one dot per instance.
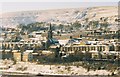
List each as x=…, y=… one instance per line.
x=19, y=45
x=94, y=51
x=16, y=55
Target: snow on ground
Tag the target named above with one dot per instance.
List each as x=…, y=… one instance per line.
x=4, y=64
x=54, y=69
x=63, y=42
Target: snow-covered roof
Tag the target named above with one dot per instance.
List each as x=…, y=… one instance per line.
x=29, y=51
x=7, y=50
x=1, y=39
x=15, y=51
x=94, y=51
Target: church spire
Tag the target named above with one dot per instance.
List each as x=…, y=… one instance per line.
x=50, y=32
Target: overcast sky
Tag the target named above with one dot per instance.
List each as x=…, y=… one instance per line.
x=24, y=6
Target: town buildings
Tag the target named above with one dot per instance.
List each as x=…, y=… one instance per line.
x=98, y=44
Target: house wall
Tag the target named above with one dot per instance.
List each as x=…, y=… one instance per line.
x=17, y=56
x=6, y=55
x=27, y=57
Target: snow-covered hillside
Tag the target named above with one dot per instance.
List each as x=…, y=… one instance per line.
x=58, y=16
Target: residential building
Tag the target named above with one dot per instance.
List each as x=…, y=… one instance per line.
x=27, y=56
x=17, y=55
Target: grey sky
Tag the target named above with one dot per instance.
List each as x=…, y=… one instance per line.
x=24, y=6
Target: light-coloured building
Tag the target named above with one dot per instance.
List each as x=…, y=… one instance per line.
x=17, y=55
x=27, y=56
x=85, y=48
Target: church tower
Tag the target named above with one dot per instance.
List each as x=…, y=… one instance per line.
x=50, y=32
x=49, y=37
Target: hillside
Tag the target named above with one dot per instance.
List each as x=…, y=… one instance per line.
x=58, y=16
